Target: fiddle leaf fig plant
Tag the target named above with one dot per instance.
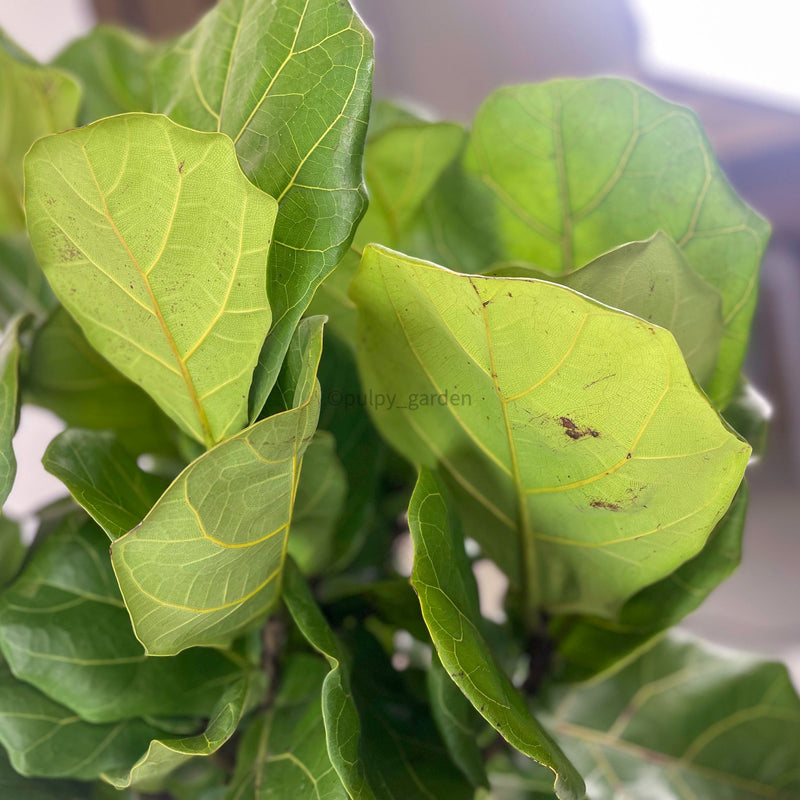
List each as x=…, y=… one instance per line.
x=526, y=349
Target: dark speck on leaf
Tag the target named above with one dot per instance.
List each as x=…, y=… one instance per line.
x=604, y=504
x=575, y=431
x=180, y=167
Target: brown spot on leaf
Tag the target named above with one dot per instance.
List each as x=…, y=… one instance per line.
x=575, y=431
x=605, y=504
x=180, y=167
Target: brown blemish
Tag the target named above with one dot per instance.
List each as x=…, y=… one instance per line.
x=180, y=168
x=603, y=504
x=574, y=431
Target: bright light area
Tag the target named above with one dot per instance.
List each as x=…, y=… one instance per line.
x=44, y=27
x=741, y=47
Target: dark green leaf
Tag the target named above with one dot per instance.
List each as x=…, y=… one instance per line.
x=15, y=787
x=23, y=288
x=342, y=724
x=683, y=721
x=114, y=67
x=298, y=122
x=104, y=478
x=155, y=241
x=67, y=375
x=449, y=597
x=12, y=550
x=9, y=412
x=64, y=629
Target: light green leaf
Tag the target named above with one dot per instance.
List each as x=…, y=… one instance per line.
x=283, y=755
x=47, y=740
x=114, y=67
x=456, y=720
x=104, y=478
x=65, y=630
x=9, y=412
x=448, y=597
x=34, y=101
x=583, y=457
x=23, y=288
x=298, y=123
x=574, y=168
x=342, y=724
x=13, y=785
x=320, y=500
x=166, y=754
x=154, y=240
x=749, y=414
x=588, y=646
x=684, y=721
x=403, y=753
x=207, y=561
x=12, y=550
x=653, y=280
x=67, y=375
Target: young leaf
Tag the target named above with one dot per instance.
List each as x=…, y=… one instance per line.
x=34, y=101
x=114, y=67
x=653, y=280
x=206, y=562
x=283, y=755
x=9, y=413
x=449, y=598
x=682, y=722
x=342, y=724
x=321, y=495
x=607, y=162
x=44, y=739
x=514, y=388
x=589, y=646
x=23, y=288
x=67, y=375
x=155, y=241
x=104, y=478
x=166, y=754
x=64, y=629
x=298, y=122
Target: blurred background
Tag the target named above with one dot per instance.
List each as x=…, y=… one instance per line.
x=736, y=63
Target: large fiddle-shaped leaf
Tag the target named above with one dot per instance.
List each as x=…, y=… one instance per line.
x=67, y=375
x=588, y=645
x=23, y=288
x=341, y=721
x=34, y=101
x=207, y=561
x=155, y=241
x=583, y=456
x=683, y=721
x=284, y=755
x=9, y=413
x=449, y=600
x=104, y=478
x=568, y=170
x=114, y=66
x=298, y=122
x=65, y=630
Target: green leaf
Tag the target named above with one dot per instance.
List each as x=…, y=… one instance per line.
x=684, y=721
x=166, y=754
x=23, y=288
x=65, y=630
x=342, y=724
x=114, y=67
x=653, y=280
x=583, y=457
x=66, y=374
x=588, y=645
x=9, y=412
x=320, y=500
x=155, y=241
x=457, y=722
x=283, y=755
x=449, y=599
x=104, y=478
x=34, y=101
x=749, y=414
x=574, y=168
x=12, y=550
x=14, y=785
x=47, y=740
x=298, y=123
x=206, y=563
x=403, y=753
